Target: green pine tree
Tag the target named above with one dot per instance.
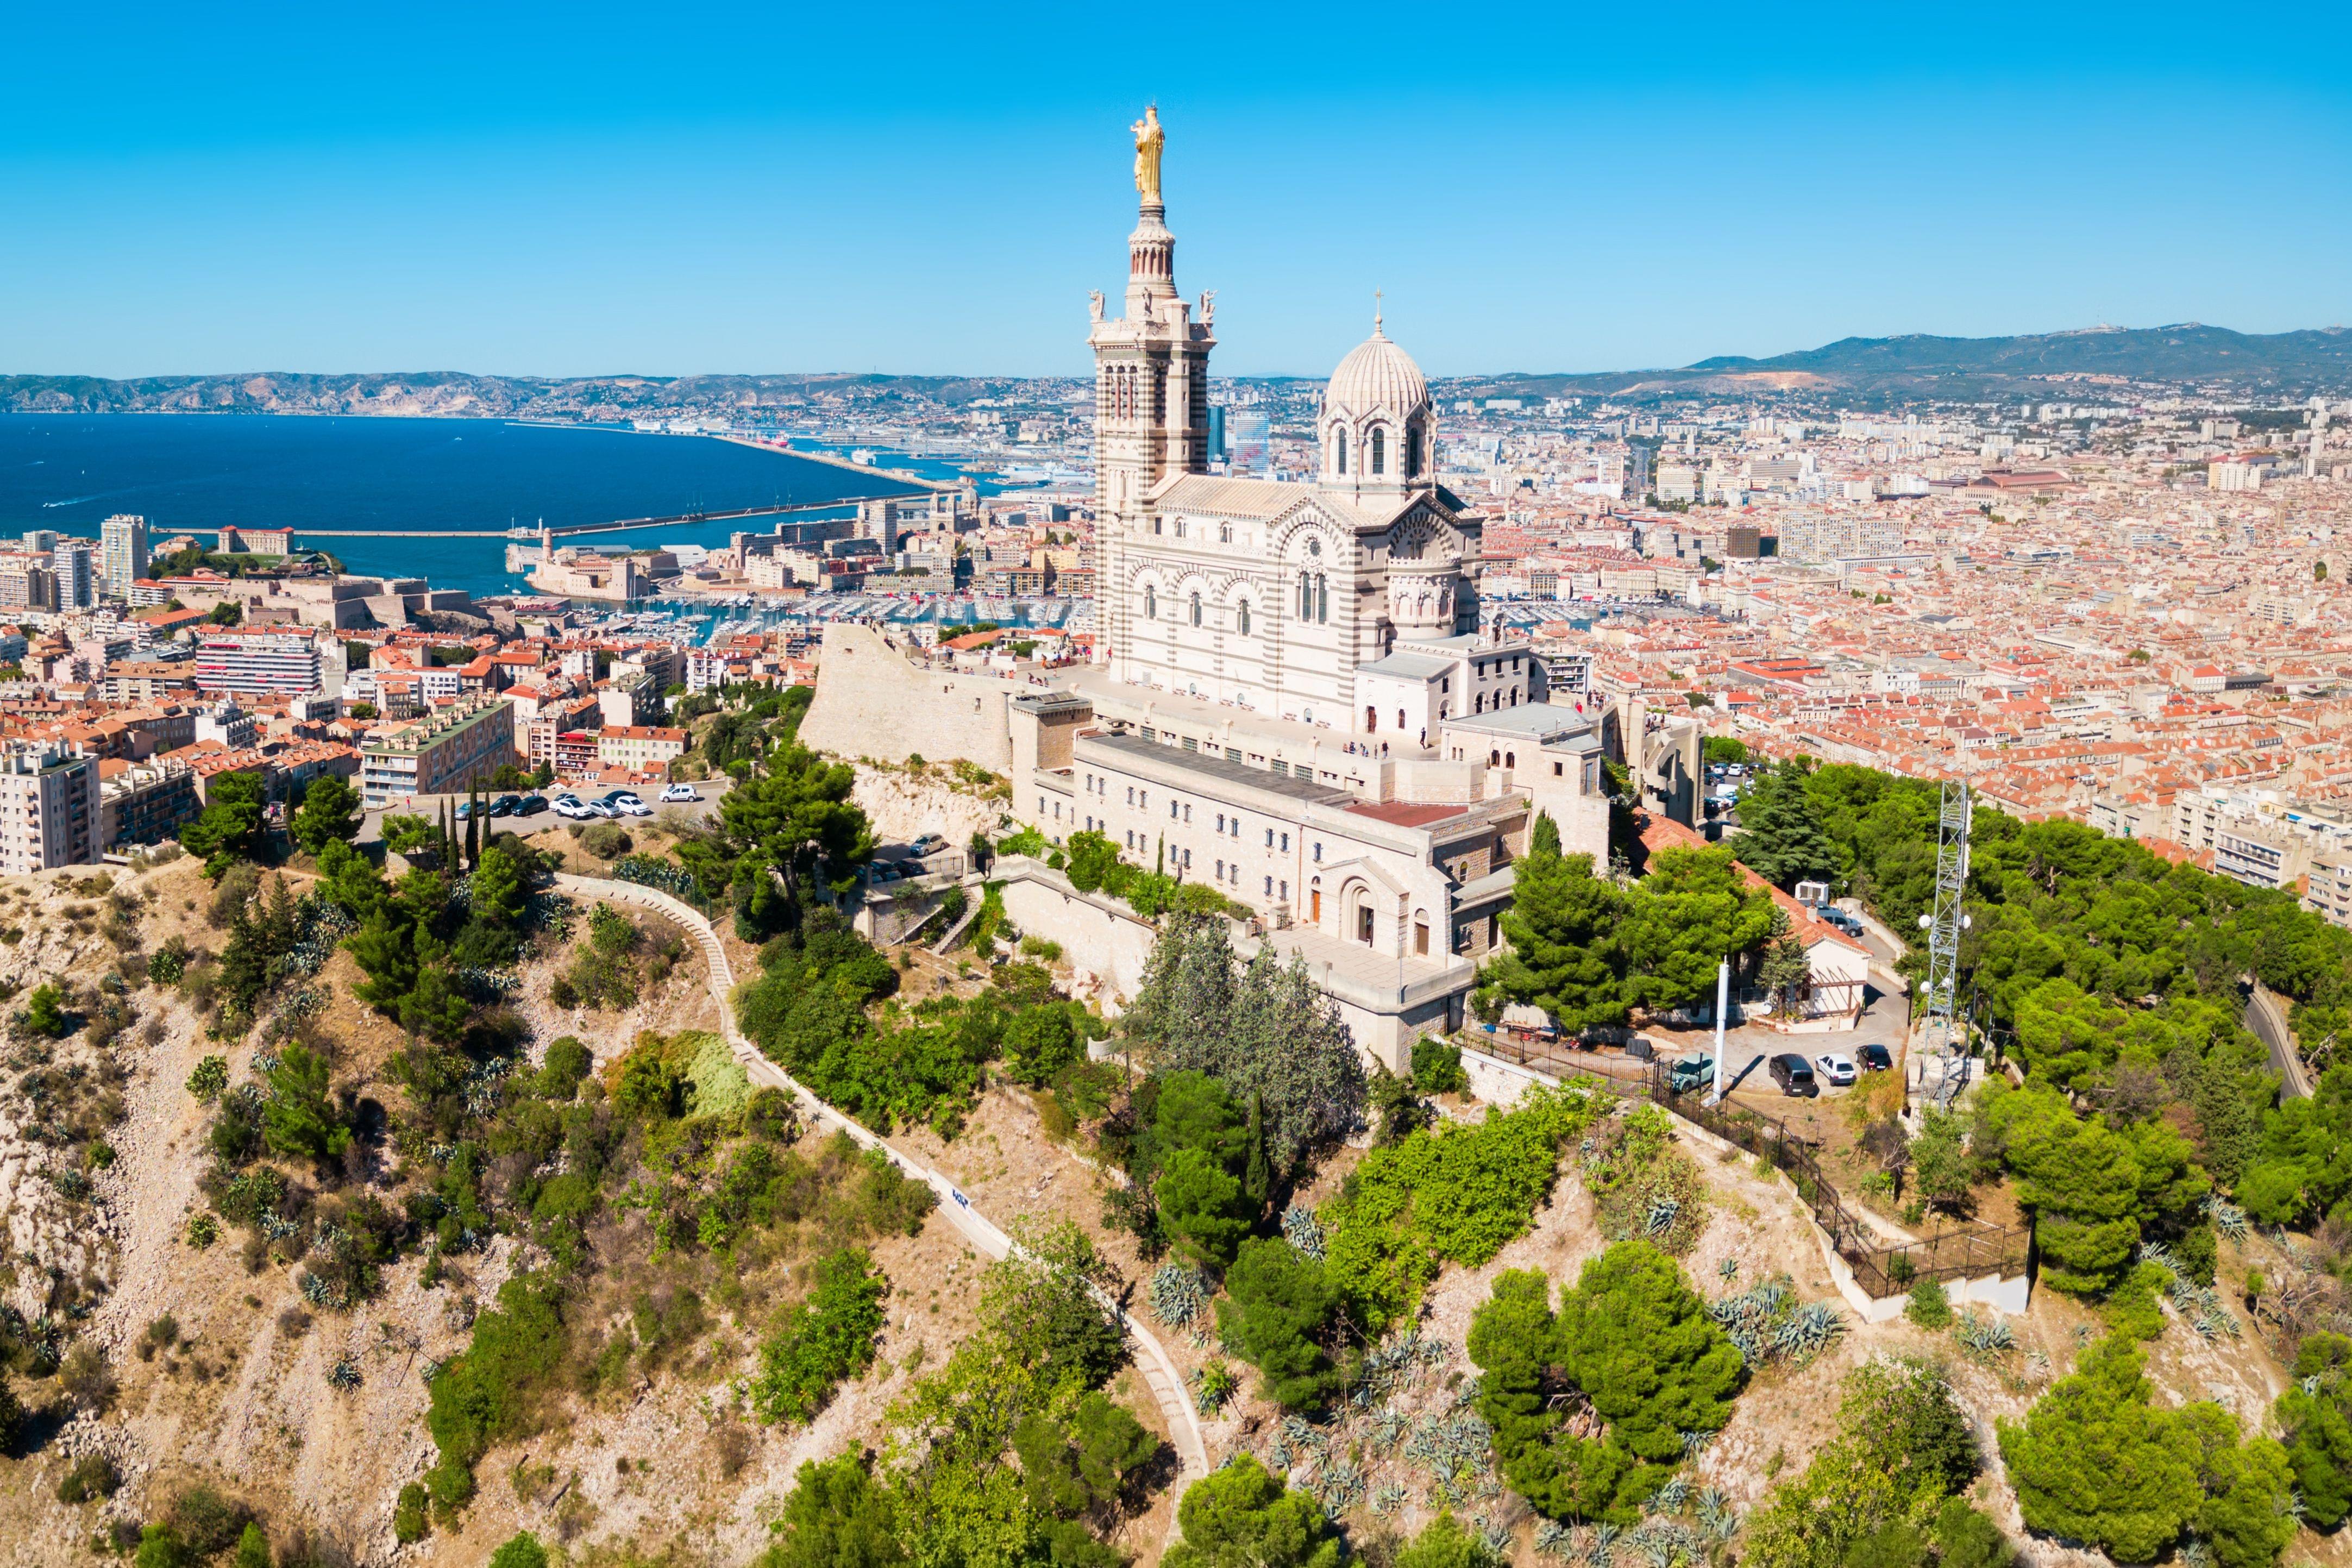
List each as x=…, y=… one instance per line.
x=1780, y=836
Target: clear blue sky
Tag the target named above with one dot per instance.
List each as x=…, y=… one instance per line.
x=678, y=188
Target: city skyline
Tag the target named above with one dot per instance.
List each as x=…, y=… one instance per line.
x=1533, y=195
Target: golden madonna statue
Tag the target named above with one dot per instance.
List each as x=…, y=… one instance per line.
x=1148, y=139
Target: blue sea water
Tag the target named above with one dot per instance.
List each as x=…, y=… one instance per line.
x=195, y=473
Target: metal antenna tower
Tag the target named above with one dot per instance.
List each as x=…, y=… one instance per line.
x=1943, y=1032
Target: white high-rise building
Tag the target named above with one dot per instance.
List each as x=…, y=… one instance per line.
x=49, y=807
x=77, y=575
x=123, y=552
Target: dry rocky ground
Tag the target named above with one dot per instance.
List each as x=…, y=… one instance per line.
x=664, y=1470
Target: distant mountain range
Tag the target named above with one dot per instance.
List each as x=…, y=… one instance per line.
x=1967, y=369
x=1879, y=369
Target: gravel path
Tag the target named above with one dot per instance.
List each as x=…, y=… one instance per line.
x=1159, y=1368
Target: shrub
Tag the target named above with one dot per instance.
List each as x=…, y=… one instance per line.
x=606, y=840
x=207, y=1520
x=1929, y=1306
x=1437, y=1067
x=409, y=1524
x=1903, y=1446
x=44, y=1013
x=520, y=1550
x=1452, y=1193
x=93, y=1476
x=210, y=1077
x=821, y=1341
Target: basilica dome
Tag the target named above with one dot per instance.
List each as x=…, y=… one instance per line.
x=1377, y=375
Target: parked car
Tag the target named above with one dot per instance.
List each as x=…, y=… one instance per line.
x=530, y=805
x=1838, y=1069
x=464, y=811
x=1793, y=1074
x=624, y=803
x=1691, y=1072
x=1876, y=1058
x=572, y=806
x=927, y=843
x=506, y=806
x=679, y=794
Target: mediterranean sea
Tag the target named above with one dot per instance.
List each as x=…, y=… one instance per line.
x=197, y=473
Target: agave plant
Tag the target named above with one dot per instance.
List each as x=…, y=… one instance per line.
x=1494, y=1538
x=1695, y=1443
x=1556, y=1540
x=1662, y=1212
x=344, y=1375
x=1728, y=1270
x=1387, y=1497
x=1605, y=1540
x=1809, y=1332
x=1713, y=1503
x=1303, y=1230
x=1984, y=1338
x=1179, y=1295
x=2228, y=1217
x=1341, y=1486
x=1390, y=1425
x=1213, y=1387
x=1671, y=1497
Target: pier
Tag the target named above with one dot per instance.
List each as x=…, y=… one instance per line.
x=625, y=526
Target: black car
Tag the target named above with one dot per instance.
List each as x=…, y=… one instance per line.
x=1874, y=1059
x=506, y=806
x=530, y=805
x=1794, y=1074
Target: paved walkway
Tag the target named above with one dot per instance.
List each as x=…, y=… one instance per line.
x=1160, y=1373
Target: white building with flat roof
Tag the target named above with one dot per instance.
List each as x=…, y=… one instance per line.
x=49, y=807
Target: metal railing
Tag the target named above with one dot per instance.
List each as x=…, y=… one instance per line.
x=1880, y=1268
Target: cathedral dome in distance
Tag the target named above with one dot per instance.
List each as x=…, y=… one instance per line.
x=1377, y=375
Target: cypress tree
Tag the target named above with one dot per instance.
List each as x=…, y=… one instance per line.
x=473, y=830
x=1257, y=1177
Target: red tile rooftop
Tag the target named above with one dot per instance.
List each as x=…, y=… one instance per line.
x=1401, y=814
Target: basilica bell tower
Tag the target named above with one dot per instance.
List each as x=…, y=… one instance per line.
x=1152, y=392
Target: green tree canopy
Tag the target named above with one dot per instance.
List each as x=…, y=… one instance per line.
x=2096, y=1461
x=1240, y=1517
x=229, y=827
x=1564, y=954
x=330, y=809
x=1781, y=834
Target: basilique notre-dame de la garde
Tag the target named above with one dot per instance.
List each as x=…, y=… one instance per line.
x=1295, y=702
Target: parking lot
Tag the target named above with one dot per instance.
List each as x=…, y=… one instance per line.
x=708, y=792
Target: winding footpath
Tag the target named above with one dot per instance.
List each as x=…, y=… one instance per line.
x=1160, y=1373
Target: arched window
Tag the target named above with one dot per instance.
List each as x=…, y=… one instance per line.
x=1322, y=598
x=1225, y=533
x=1241, y=617
x=1493, y=759
x=1510, y=759
x=1480, y=706
x=1411, y=453
x=1400, y=718
x=1151, y=604
x=1196, y=609
x=1306, y=597
x=1372, y=720
x=1339, y=450
x=1379, y=451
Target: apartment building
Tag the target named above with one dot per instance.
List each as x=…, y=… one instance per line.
x=2329, y=891
x=445, y=751
x=49, y=807
x=145, y=802
x=644, y=747
x=123, y=552
x=258, y=662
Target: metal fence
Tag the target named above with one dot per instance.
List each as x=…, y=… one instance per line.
x=1970, y=1251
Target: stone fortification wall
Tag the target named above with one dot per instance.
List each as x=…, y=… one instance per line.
x=1097, y=934
x=872, y=701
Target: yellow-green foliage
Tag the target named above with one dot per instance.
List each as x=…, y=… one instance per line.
x=1453, y=1193
x=720, y=1084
